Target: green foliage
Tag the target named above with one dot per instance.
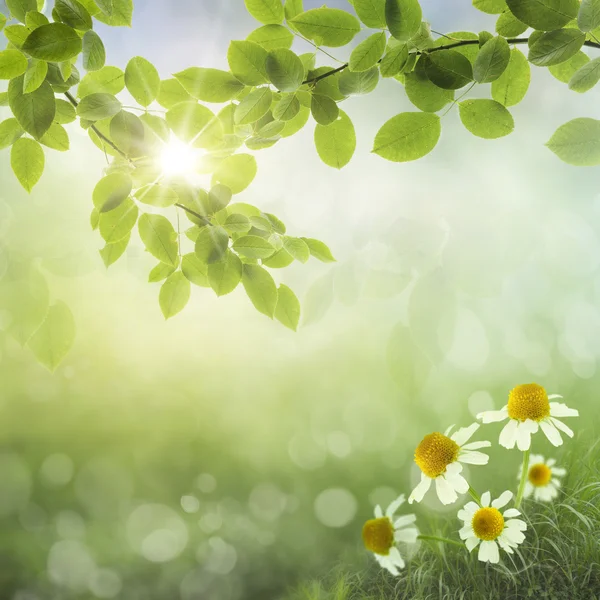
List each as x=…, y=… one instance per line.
x=556, y=47
x=142, y=80
x=585, y=78
x=403, y=18
x=209, y=85
x=336, y=142
x=94, y=54
x=74, y=14
x=511, y=87
x=287, y=309
x=260, y=288
x=266, y=11
x=27, y=162
x=34, y=111
x=19, y=8
x=174, y=294
x=331, y=27
x=96, y=107
x=12, y=64
x=448, y=69
x=486, y=118
x=247, y=62
x=492, y=60
x=54, y=42
x=111, y=191
x=588, y=17
x=285, y=70
x=577, y=142
x=367, y=54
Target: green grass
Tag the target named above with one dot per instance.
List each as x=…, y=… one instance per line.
x=560, y=559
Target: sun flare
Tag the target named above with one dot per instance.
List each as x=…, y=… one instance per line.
x=178, y=158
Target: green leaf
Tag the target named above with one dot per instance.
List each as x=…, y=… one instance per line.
x=295, y=124
x=297, y=247
x=160, y=272
x=225, y=275
x=116, y=13
x=55, y=337
x=247, y=62
x=237, y=224
x=111, y=253
x=266, y=11
x=491, y=61
x=319, y=250
x=118, y=223
x=469, y=51
x=108, y=80
x=425, y=95
x=142, y=80
x=2, y=21
x=284, y=70
x=272, y=37
x=174, y=294
x=212, y=244
x=27, y=162
x=35, y=111
x=156, y=194
x=286, y=108
x=358, y=83
x=556, y=47
x=586, y=77
x=545, y=15
x=171, y=92
x=447, y=69
x=281, y=259
x=10, y=132
x=236, y=172
x=577, y=142
x=195, y=270
x=254, y=106
x=56, y=138
x=330, y=27
x=65, y=112
x=253, y=246
x=292, y=8
x=487, y=119
x=491, y=7
x=96, y=107
x=287, y=310
x=509, y=26
x=394, y=61
x=260, y=288
x=20, y=8
x=127, y=132
x=371, y=13
x=12, y=64
x=589, y=15
x=35, y=75
x=511, y=87
x=336, y=142
x=408, y=136
x=195, y=124
x=324, y=110
x=54, y=42
x=94, y=54
x=159, y=238
x=209, y=85
x=73, y=14
x=111, y=191
x=403, y=18
x=564, y=71
x=368, y=53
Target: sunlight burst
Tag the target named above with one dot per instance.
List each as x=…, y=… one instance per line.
x=178, y=158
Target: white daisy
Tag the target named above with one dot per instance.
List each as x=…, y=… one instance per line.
x=382, y=533
x=439, y=457
x=542, y=478
x=486, y=524
x=527, y=410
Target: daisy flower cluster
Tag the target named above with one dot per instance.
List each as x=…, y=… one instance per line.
x=488, y=525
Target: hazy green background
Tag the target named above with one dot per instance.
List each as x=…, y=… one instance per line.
x=219, y=456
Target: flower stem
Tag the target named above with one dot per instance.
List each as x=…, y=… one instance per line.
x=475, y=495
x=523, y=479
x=435, y=538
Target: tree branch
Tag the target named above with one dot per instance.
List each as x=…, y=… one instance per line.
x=193, y=212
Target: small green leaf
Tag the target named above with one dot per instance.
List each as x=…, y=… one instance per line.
x=118, y=223
x=394, y=61
x=55, y=337
x=209, y=85
x=54, y=42
x=195, y=270
x=247, y=62
x=371, y=13
x=127, y=132
x=236, y=172
x=27, y=162
x=425, y=95
x=491, y=7
x=330, y=27
x=174, y=294
x=448, y=69
x=111, y=191
x=295, y=124
x=35, y=111
x=555, y=47
x=171, y=92
x=565, y=70
x=367, y=53
x=260, y=288
x=237, y=224
x=403, y=18
x=35, y=75
x=285, y=70
x=56, y=138
x=511, y=87
x=297, y=247
x=589, y=15
x=545, y=15
x=160, y=272
x=324, y=110
x=491, y=61
x=253, y=246
x=73, y=14
x=408, y=136
x=254, y=106
x=12, y=64
x=158, y=195
x=358, y=83
x=281, y=259
x=586, y=77
x=225, y=275
x=96, y=107
x=287, y=310
x=319, y=250
x=65, y=112
x=10, y=132
x=195, y=124
x=272, y=37
x=286, y=108
x=509, y=26
x=212, y=244
x=20, y=8
x=159, y=238
x=266, y=11
x=2, y=21
x=111, y=253
x=94, y=54
x=142, y=80
x=487, y=119
x=116, y=13
x=336, y=142
x=108, y=80
x=577, y=142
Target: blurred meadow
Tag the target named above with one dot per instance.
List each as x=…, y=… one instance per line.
x=219, y=456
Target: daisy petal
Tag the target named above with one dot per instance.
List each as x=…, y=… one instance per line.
x=502, y=500
x=464, y=434
x=396, y=558
x=453, y=469
x=485, y=499
x=558, y=471
x=395, y=505
x=492, y=553
x=558, y=409
x=554, y=396
x=459, y=483
x=408, y=536
x=551, y=433
x=560, y=425
x=524, y=431
x=493, y=416
x=528, y=489
x=474, y=458
x=551, y=462
x=378, y=512
x=476, y=445
x=404, y=520
x=445, y=491
x=471, y=543
x=421, y=489
x=516, y=524
x=447, y=432
x=465, y=532
x=508, y=435
x=510, y=513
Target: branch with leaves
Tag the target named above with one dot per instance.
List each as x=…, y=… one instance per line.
x=269, y=93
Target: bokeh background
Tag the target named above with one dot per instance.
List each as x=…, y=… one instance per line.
x=219, y=456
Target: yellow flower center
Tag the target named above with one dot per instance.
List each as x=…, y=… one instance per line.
x=378, y=535
x=435, y=453
x=540, y=475
x=488, y=523
x=528, y=401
